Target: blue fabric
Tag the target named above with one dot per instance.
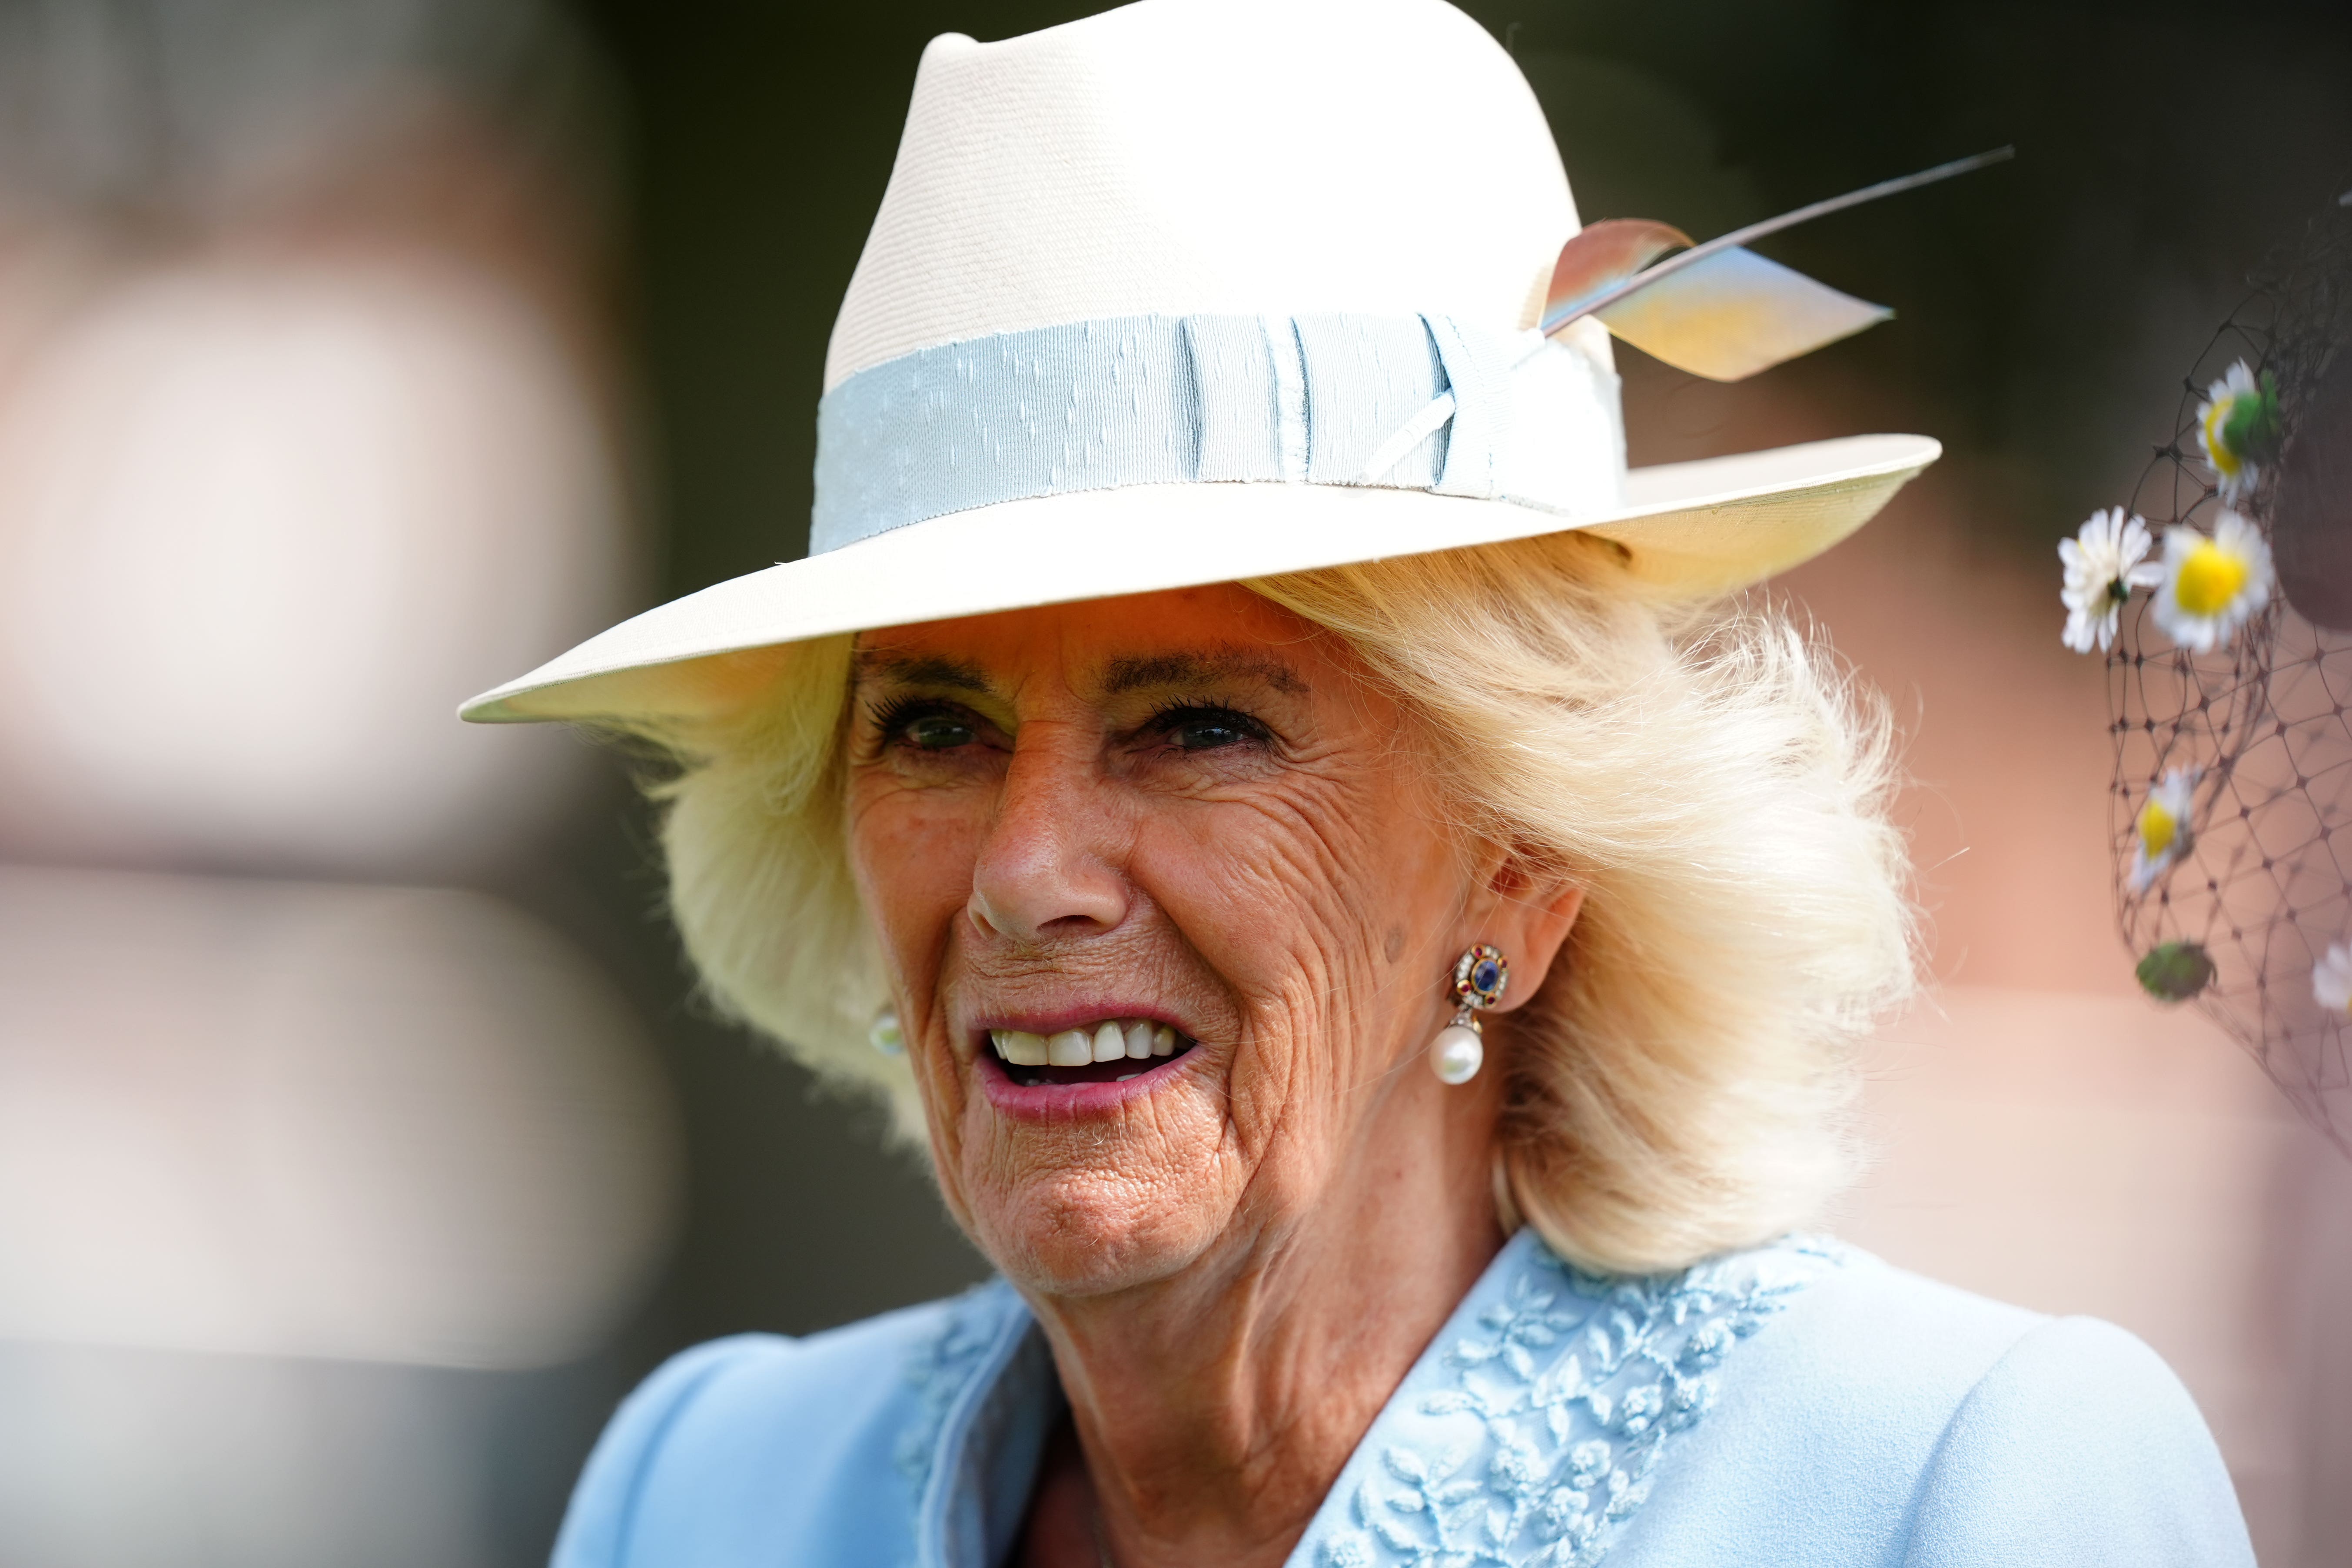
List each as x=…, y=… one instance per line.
x=1801, y=1405
x=1146, y=400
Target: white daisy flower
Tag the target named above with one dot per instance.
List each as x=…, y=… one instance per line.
x=2331, y=980
x=2213, y=586
x=2237, y=426
x=2162, y=828
x=2103, y=563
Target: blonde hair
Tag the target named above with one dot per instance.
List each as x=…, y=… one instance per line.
x=1715, y=784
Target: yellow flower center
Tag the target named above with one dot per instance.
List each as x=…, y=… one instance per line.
x=2209, y=579
x=2217, y=419
x=2156, y=828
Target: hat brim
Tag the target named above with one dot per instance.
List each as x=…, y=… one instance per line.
x=1708, y=527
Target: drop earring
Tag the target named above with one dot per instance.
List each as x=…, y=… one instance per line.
x=1458, y=1052
x=884, y=1034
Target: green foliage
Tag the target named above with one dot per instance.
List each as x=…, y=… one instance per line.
x=2252, y=430
x=2175, y=971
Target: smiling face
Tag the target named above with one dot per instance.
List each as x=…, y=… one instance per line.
x=1181, y=836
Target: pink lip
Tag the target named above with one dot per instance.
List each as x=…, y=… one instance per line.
x=1076, y=1101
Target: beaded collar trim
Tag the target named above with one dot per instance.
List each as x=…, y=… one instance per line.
x=1533, y=1424
x=1527, y=1436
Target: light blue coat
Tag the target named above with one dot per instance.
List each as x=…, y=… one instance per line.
x=1800, y=1403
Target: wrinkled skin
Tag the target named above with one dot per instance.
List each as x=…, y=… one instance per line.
x=1196, y=806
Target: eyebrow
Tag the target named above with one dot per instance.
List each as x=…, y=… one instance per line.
x=1125, y=675
x=1121, y=675
x=921, y=670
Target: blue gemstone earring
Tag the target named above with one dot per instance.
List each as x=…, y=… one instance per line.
x=1479, y=977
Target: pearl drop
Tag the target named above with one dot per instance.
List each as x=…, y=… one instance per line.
x=1457, y=1055
x=886, y=1036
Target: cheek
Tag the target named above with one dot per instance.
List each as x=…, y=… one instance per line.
x=911, y=853
x=1304, y=903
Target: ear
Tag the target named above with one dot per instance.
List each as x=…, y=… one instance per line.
x=1528, y=912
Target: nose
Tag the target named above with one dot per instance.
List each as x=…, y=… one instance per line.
x=1048, y=867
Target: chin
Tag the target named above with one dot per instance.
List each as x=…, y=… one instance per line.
x=1088, y=1184
x=1093, y=1232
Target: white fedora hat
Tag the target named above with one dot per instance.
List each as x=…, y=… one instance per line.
x=1197, y=291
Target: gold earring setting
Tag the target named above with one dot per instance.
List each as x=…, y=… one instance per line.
x=1460, y=1048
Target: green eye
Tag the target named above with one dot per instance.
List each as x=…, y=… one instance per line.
x=939, y=733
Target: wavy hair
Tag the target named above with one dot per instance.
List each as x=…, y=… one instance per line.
x=1714, y=780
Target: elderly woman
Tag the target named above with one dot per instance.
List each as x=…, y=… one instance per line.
x=1374, y=962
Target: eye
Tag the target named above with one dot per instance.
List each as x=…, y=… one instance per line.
x=938, y=731
x=925, y=725
x=1191, y=729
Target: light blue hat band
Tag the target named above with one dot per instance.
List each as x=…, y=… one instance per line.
x=1405, y=402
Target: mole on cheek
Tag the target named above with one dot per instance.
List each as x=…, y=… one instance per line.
x=1395, y=945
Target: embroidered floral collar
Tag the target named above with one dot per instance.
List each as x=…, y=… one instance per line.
x=1526, y=1436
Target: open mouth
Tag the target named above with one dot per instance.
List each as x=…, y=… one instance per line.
x=1111, y=1051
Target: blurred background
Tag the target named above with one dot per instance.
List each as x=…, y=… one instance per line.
x=360, y=1140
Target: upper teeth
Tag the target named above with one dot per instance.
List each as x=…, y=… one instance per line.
x=1105, y=1042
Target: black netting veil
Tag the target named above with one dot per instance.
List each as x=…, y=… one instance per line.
x=2249, y=910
